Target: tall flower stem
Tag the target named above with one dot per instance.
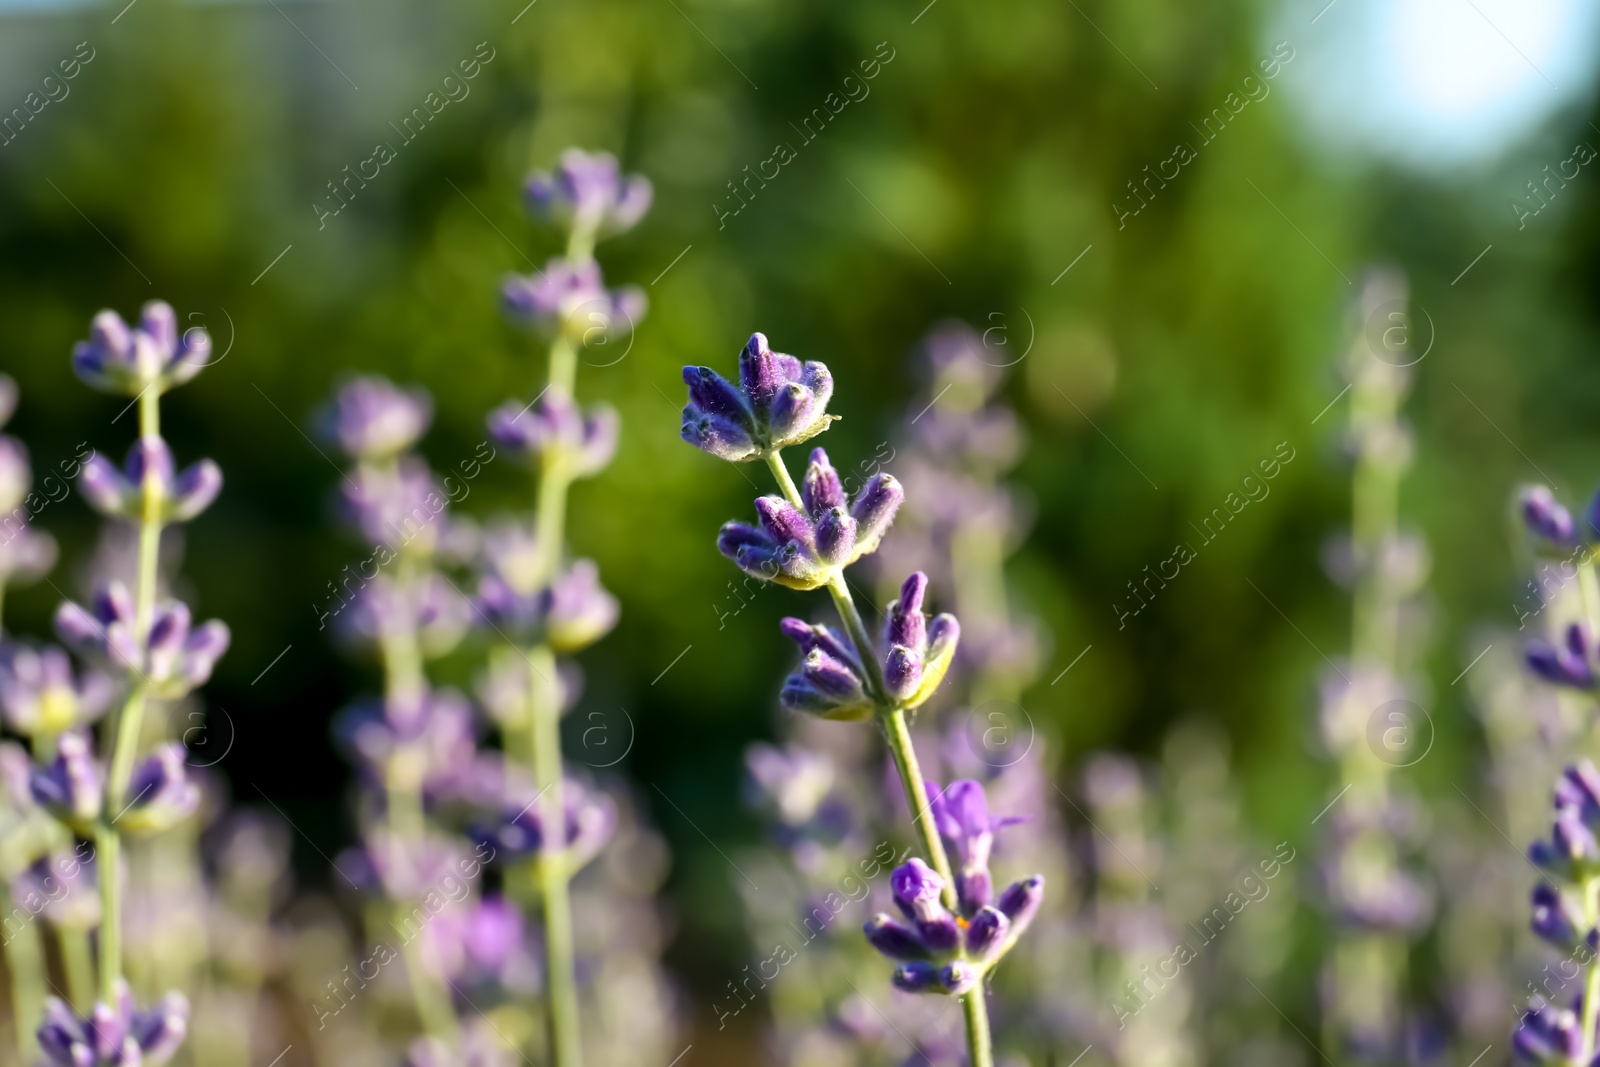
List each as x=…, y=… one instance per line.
x=554, y=875
x=130, y=722
x=974, y=1010
x=24, y=952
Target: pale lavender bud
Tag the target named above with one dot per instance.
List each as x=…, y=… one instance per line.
x=71, y=786
x=894, y=939
x=126, y=361
x=986, y=934
x=586, y=191
x=374, y=419
x=915, y=977
x=39, y=696
x=160, y=793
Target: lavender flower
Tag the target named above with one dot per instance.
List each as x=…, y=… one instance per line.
x=1570, y=663
x=71, y=788
x=830, y=681
x=399, y=506
x=570, y=613
x=162, y=792
x=126, y=361
x=428, y=744
x=61, y=887
x=944, y=954
x=39, y=696
x=961, y=814
x=1546, y=518
x=590, y=818
x=147, y=487
x=573, y=299
x=587, y=192
x=429, y=608
x=373, y=419
x=172, y=660
x=779, y=401
x=552, y=430
x=1549, y=1034
x=114, y=1035
x=481, y=943
x=804, y=549
x=793, y=781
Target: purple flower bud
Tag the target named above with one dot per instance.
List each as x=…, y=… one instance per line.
x=905, y=623
x=126, y=361
x=959, y=977
x=874, y=509
x=553, y=431
x=829, y=681
x=916, y=888
x=400, y=506
x=429, y=609
x=573, y=300
x=68, y=886
x=821, y=489
x=835, y=537
x=1020, y=902
x=783, y=522
x=902, y=671
x=374, y=419
x=39, y=696
x=987, y=933
x=894, y=939
x=116, y=1034
x=1570, y=663
x=1545, y=517
x=578, y=611
x=1548, y=1034
x=779, y=402
x=1554, y=920
x=586, y=191
x=916, y=977
x=71, y=786
x=160, y=793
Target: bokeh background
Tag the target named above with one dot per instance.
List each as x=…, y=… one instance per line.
x=991, y=153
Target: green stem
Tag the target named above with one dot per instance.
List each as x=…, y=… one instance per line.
x=551, y=517
x=77, y=964
x=108, y=848
x=433, y=1003
x=130, y=723
x=566, y=1049
x=25, y=966
x=563, y=365
x=980, y=1047
x=1591, y=985
x=911, y=781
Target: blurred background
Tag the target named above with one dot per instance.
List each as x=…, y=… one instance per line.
x=1165, y=335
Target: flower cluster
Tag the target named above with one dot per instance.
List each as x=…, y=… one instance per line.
x=138, y=648
x=779, y=401
x=553, y=430
x=114, y=1035
x=831, y=681
x=803, y=547
x=945, y=952
x=1564, y=915
x=587, y=192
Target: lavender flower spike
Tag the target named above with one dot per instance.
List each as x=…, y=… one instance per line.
x=917, y=652
x=587, y=191
x=149, y=472
x=374, y=419
x=804, y=549
x=114, y=1035
x=779, y=401
x=172, y=661
x=117, y=359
